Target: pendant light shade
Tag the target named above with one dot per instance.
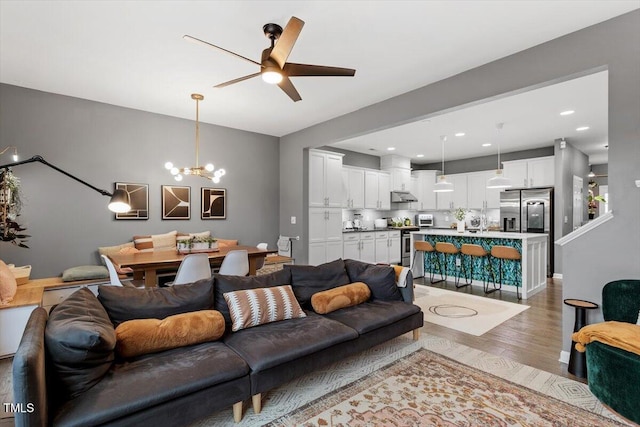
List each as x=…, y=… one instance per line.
x=120, y=201
x=443, y=186
x=499, y=180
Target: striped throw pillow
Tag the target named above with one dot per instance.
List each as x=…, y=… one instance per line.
x=253, y=307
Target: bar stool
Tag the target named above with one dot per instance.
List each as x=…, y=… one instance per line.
x=510, y=253
x=427, y=248
x=478, y=252
x=447, y=249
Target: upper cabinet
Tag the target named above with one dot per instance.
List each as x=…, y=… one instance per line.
x=377, y=190
x=456, y=198
x=527, y=173
x=424, y=189
x=352, y=188
x=325, y=179
x=400, y=179
x=478, y=195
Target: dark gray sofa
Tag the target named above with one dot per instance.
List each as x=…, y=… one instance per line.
x=176, y=387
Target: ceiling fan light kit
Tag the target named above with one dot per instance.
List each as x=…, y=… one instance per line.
x=274, y=68
x=206, y=171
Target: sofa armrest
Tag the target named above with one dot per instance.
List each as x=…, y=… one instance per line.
x=29, y=375
x=407, y=291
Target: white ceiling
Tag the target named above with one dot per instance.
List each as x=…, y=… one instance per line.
x=131, y=53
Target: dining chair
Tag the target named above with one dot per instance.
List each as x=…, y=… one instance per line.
x=193, y=267
x=260, y=262
x=235, y=263
x=113, y=274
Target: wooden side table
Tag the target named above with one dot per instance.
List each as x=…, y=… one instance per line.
x=578, y=360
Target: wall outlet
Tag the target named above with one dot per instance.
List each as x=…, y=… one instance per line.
x=638, y=183
x=293, y=220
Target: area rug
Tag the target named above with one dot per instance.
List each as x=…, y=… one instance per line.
x=463, y=312
x=427, y=389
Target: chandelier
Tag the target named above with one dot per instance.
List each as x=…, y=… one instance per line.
x=206, y=171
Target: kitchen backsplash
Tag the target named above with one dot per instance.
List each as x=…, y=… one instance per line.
x=442, y=219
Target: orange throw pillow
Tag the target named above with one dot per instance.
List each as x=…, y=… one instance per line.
x=8, y=284
x=144, y=336
x=343, y=296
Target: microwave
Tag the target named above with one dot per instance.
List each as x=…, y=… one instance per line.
x=424, y=220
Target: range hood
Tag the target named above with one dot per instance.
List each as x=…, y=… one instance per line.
x=402, y=197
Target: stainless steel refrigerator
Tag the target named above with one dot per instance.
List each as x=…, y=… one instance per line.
x=529, y=211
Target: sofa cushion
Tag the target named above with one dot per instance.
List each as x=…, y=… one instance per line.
x=127, y=303
x=224, y=284
x=381, y=279
x=85, y=272
x=280, y=342
x=225, y=243
x=372, y=315
x=80, y=341
x=8, y=284
x=343, y=296
x=152, y=380
x=112, y=250
x=306, y=280
x=155, y=242
x=254, y=307
x=143, y=336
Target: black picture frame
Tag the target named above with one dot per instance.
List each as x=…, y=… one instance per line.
x=176, y=202
x=139, y=200
x=213, y=203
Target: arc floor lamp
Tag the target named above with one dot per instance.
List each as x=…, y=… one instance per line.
x=119, y=198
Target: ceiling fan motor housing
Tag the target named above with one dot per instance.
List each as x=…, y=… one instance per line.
x=272, y=31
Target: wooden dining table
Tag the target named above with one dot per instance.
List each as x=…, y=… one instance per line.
x=145, y=265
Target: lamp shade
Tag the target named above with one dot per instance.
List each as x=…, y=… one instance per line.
x=499, y=181
x=120, y=201
x=442, y=186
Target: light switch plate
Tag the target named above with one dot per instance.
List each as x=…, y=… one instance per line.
x=293, y=220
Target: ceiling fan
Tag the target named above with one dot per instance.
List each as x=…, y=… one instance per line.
x=274, y=67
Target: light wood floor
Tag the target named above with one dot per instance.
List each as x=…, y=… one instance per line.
x=533, y=337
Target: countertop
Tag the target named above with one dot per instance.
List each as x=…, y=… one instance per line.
x=485, y=234
x=411, y=227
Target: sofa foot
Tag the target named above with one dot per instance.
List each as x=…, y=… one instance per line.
x=416, y=334
x=237, y=411
x=256, y=399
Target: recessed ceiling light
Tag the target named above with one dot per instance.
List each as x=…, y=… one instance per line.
x=391, y=148
x=606, y=146
x=487, y=144
x=419, y=155
x=460, y=134
x=581, y=128
x=567, y=113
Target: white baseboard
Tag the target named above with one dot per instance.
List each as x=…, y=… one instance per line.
x=564, y=357
x=557, y=276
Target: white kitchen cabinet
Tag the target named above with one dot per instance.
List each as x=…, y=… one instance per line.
x=325, y=229
x=325, y=179
x=424, y=189
x=456, y=198
x=359, y=246
x=400, y=179
x=388, y=247
x=377, y=193
x=478, y=195
x=352, y=188
x=528, y=173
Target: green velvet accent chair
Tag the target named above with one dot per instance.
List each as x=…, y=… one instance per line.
x=613, y=373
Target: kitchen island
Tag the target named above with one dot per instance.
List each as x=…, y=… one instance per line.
x=532, y=246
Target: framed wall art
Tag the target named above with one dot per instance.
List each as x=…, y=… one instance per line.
x=214, y=203
x=139, y=200
x=176, y=202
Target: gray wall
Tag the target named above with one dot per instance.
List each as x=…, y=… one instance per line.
x=352, y=158
x=103, y=144
x=485, y=162
x=608, y=252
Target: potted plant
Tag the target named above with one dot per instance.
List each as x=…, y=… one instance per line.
x=592, y=203
x=198, y=244
x=459, y=214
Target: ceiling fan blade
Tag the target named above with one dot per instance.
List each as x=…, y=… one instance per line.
x=238, y=80
x=298, y=70
x=196, y=40
x=287, y=39
x=289, y=89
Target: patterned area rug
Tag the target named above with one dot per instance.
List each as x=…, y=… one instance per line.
x=427, y=389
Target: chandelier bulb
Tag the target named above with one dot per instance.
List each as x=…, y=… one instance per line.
x=222, y=172
x=209, y=167
x=215, y=179
x=186, y=171
x=178, y=177
x=174, y=171
x=168, y=166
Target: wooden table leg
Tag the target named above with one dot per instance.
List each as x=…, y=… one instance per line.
x=253, y=264
x=150, y=277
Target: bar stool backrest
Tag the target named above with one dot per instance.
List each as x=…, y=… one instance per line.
x=505, y=252
x=473, y=250
x=447, y=248
x=422, y=246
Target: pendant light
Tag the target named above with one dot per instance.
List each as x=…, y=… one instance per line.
x=206, y=171
x=591, y=174
x=499, y=180
x=443, y=186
